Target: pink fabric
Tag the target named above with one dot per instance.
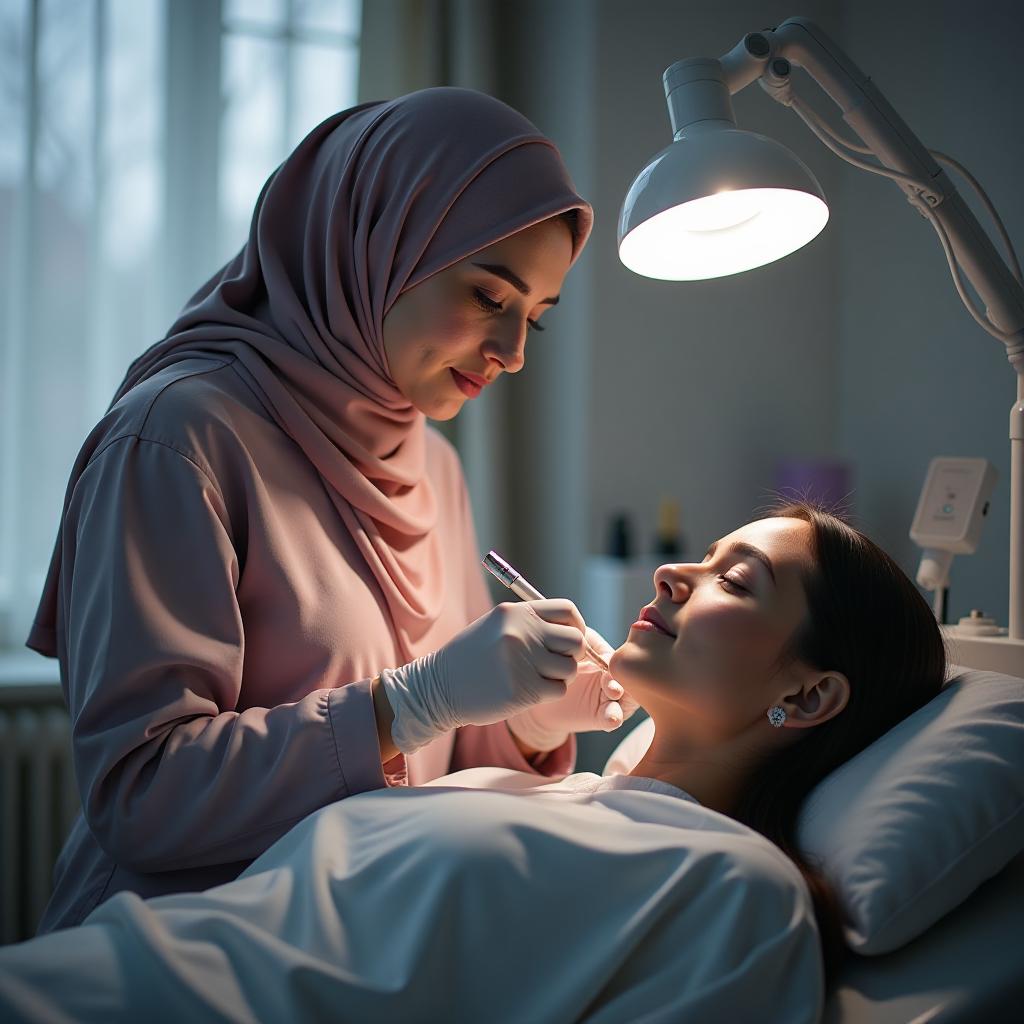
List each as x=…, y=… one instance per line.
x=212, y=611
x=374, y=200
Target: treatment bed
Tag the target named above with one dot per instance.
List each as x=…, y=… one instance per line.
x=605, y=899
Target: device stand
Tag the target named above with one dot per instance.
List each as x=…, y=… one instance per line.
x=1016, y=631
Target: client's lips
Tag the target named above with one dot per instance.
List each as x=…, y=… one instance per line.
x=649, y=614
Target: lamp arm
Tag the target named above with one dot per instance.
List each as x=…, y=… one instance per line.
x=764, y=55
x=845, y=147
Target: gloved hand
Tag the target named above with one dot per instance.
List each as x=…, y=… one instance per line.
x=514, y=656
x=593, y=701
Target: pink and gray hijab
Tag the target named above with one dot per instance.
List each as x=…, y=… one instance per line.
x=373, y=201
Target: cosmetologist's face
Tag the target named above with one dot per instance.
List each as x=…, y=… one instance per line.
x=454, y=333
x=706, y=658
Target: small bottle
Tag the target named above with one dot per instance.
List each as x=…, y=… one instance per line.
x=668, y=540
x=620, y=538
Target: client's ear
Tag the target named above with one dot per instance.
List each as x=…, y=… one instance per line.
x=822, y=696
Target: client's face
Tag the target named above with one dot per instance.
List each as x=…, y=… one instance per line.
x=469, y=322
x=725, y=622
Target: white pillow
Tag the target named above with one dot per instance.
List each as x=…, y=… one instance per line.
x=908, y=828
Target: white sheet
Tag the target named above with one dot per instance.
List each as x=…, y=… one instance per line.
x=598, y=899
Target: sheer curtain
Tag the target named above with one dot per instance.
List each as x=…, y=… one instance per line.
x=137, y=134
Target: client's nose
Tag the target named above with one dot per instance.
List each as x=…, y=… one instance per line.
x=670, y=581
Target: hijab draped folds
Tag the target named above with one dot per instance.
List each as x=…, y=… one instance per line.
x=373, y=201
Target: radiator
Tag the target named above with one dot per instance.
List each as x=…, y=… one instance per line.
x=38, y=803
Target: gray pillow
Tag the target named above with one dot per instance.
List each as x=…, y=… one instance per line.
x=912, y=825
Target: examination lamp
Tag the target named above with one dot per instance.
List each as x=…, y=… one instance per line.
x=719, y=200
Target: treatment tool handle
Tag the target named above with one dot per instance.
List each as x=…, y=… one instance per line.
x=522, y=588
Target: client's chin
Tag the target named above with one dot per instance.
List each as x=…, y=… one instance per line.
x=630, y=664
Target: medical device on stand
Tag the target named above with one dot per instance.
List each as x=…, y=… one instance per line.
x=719, y=200
x=953, y=503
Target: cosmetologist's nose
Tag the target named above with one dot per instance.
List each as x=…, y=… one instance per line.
x=509, y=347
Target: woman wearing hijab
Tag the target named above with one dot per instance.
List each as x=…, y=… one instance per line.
x=260, y=591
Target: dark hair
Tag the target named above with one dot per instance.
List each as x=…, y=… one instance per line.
x=867, y=620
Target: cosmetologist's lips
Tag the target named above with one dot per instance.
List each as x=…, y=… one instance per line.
x=470, y=388
x=475, y=378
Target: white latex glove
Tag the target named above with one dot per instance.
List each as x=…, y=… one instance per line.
x=514, y=656
x=593, y=701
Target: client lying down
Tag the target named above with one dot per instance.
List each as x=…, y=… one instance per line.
x=491, y=895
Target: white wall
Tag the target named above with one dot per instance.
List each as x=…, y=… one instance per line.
x=918, y=377
x=855, y=346
x=689, y=390
x=698, y=387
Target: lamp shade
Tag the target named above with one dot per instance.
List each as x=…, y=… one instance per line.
x=717, y=201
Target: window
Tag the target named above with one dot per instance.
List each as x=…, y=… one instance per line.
x=137, y=136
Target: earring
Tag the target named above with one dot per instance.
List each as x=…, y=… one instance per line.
x=777, y=716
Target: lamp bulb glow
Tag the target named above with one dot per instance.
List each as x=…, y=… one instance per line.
x=721, y=234
x=723, y=210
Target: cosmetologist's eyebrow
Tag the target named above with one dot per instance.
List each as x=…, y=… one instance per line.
x=742, y=548
x=499, y=270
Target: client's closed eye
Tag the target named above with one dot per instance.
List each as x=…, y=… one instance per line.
x=732, y=582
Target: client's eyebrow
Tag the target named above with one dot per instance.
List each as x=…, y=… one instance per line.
x=499, y=270
x=742, y=548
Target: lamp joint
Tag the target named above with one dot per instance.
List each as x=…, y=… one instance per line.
x=756, y=44
x=780, y=89
x=925, y=200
